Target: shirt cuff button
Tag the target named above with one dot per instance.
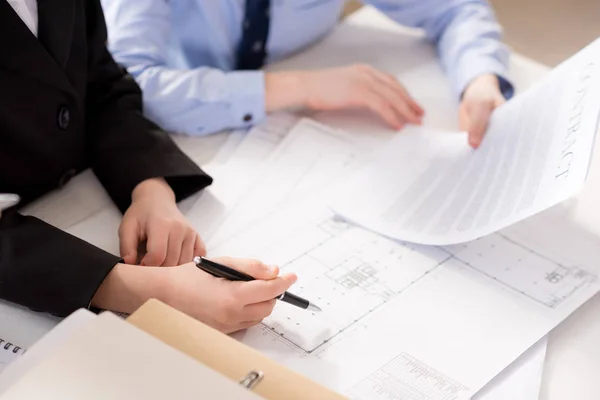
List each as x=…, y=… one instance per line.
x=248, y=118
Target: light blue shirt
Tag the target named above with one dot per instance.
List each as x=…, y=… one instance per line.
x=182, y=52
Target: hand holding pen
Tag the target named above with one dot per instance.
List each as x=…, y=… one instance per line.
x=223, y=271
x=225, y=305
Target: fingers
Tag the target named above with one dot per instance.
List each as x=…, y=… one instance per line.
x=389, y=99
x=240, y=327
x=199, y=246
x=479, y=99
x=262, y=290
x=476, y=118
x=129, y=239
x=398, y=103
x=156, y=247
x=393, y=83
x=187, y=248
x=192, y=246
x=498, y=101
x=254, y=268
x=382, y=107
x=251, y=315
x=463, y=118
x=259, y=311
x=174, y=246
x=171, y=243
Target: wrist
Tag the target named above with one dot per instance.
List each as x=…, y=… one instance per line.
x=155, y=187
x=487, y=84
x=486, y=80
x=127, y=287
x=284, y=90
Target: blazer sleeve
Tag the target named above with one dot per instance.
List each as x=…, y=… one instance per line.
x=124, y=146
x=46, y=269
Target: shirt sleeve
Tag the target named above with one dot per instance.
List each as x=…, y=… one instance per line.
x=195, y=101
x=125, y=147
x=466, y=34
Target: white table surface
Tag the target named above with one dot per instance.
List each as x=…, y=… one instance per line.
x=573, y=359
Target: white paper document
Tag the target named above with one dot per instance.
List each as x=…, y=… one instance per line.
x=22, y=326
x=430, y=187
x=310, y=156
x=522, y=380
x=234, y=169
x=399, y=320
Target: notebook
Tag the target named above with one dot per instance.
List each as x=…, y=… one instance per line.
x=8, y=352
x=56, y=337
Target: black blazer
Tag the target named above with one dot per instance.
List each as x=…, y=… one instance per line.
x=65, y=106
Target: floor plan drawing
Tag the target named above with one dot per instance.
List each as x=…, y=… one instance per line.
x=529, y=273
x=345, y=262
x=358, y=270
x=361, y=271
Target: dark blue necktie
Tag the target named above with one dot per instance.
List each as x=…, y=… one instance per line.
x=252, y=51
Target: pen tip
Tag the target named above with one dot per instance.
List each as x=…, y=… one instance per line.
x=313, y=307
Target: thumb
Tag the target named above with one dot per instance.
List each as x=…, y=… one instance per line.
x=463, y=118
x=499, y=100
x=478, y=117
x=259, y=290
x=129, y=240
x=254, y=268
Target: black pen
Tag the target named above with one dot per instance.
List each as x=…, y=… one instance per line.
x=225, y=272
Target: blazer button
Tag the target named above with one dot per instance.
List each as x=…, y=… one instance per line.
x=66, y=177
x=64, y=118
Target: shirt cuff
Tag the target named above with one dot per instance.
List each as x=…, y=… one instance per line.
x=247, y=91
x=483, y=67
x=506, y=88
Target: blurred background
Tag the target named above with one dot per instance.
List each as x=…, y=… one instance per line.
x=548, y=31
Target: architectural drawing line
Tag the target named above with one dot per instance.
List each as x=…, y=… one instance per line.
x=406, y=377
x=282, y=337
x=553, y=277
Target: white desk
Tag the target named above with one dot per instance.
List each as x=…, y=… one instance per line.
x=574, y=352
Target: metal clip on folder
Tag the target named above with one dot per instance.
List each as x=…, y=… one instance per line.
x=252, y=379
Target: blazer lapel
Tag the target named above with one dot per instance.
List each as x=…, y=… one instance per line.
x=25, y=54
x=56, y=19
